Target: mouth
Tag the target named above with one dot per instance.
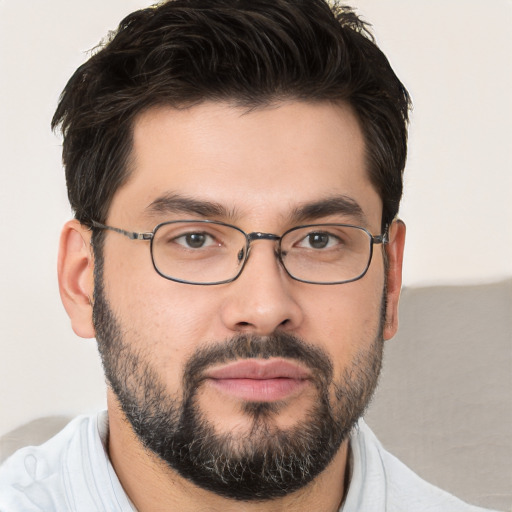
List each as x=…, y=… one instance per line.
x=259, y=380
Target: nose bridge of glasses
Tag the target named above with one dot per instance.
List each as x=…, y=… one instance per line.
x=254, y=236
x=258, y=235
x=262, y=236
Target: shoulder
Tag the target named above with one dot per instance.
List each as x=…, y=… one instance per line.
x=37, y=478
x=397, y=487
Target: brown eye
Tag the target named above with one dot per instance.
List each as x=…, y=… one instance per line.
x=197, y=240
x=318, y=240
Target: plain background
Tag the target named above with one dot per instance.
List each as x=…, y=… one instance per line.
x=455, y=58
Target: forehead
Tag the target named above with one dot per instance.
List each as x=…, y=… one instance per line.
x=254, y=163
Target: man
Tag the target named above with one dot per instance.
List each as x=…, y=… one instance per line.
x=235, y=169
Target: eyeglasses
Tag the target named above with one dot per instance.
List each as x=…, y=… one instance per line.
x=207, y=252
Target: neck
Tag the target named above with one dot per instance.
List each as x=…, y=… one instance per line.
x=152, y=486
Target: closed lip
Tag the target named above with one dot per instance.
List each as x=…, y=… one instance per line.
x=259, y=369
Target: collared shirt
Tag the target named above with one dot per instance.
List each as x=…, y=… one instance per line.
x=72, y=472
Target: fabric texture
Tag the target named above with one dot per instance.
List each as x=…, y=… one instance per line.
x=72, y=472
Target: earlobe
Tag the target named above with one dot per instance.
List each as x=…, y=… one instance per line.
x=76, y=277
x=395, y=252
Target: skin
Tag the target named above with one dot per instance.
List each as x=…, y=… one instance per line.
x=260, y=166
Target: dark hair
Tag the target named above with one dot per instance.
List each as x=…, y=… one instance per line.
x=251, y=52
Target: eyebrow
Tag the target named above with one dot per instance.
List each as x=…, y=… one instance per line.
x=334, y=205
x=174, y=203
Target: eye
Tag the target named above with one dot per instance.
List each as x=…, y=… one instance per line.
x=318, y=240
x=196, y=240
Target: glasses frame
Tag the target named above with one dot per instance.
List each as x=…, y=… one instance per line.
x=249, y=238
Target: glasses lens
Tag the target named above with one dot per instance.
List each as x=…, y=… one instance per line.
x=198, y=252
x=326, y=253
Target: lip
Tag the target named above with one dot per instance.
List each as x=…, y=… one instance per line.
x=259, y=380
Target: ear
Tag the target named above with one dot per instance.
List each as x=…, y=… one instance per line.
x=395, y=252
x=76, y=276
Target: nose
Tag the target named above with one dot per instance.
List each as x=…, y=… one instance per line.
x=263, y=298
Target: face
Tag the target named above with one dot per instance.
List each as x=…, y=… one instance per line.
x=246, y=388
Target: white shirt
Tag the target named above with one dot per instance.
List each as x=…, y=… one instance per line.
x=72, y=472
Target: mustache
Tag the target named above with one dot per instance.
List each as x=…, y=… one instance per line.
x=251, y=346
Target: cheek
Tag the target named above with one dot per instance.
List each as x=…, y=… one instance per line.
x=166, y=320
x=345, y=319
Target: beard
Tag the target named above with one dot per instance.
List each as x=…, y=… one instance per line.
x=264, y=461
